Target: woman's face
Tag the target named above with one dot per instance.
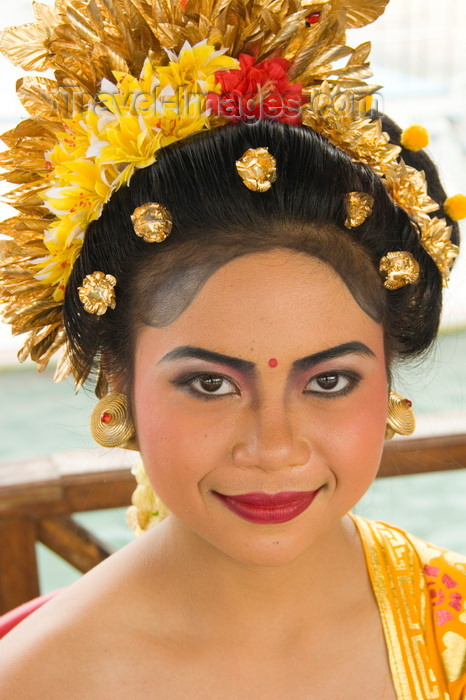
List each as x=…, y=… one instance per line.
x=272, y=381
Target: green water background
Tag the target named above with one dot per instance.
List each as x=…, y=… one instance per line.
x=38, y=417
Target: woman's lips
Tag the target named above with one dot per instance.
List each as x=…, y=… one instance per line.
x=268, y=508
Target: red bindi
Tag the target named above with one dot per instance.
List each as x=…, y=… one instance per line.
x=273, y=362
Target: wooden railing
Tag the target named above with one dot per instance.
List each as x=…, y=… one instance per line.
x=38, y=499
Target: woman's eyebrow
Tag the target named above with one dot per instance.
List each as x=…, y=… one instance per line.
x=354, y=347
x=188, y=351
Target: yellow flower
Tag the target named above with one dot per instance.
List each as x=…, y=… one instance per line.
x=127, y=143
x=414, y=138
x=195, y=67
x=455, y=207
x=81, y=191
x=80, y=132
x=129, y=91
x=100, y=148
x=76, y=198
x=55, y=269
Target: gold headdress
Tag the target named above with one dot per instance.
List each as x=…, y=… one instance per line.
x=123, y=74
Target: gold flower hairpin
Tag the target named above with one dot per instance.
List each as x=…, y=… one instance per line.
x=152, y=222
x=258, y=169
x=359, y=207
x=97, y=293
x=399, y=268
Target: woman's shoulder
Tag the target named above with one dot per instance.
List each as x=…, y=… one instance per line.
x=77, y=644
x=35, y=657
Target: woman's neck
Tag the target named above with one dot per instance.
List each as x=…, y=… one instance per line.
x=216, y=594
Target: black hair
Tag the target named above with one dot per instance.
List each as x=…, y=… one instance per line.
x=216, y=218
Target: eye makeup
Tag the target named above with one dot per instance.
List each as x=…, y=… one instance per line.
x=331, y=382
x=207, y=385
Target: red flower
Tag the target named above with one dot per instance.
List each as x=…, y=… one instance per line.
x=258, y=91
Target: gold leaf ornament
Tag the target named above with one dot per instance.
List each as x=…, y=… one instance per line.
x=152, y=222
x=408, y=188
x=399, y=268
x=436, y=239
x=334, y=113
x=359, y=13
x=258, y=169
x=359, y=207
x=26, y=45
x=97, y=293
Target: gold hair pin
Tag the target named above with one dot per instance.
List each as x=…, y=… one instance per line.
x=358, y=207
x=399, y=268
x=258, y=169
x=97, y=293
x=152, y=222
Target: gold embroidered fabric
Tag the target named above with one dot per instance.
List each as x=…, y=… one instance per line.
x=421, y=594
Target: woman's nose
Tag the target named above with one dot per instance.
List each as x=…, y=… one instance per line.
x=271, y=438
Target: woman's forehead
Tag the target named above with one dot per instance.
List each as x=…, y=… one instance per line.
x=264, y=302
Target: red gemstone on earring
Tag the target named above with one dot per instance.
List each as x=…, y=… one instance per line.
x=105, y=417
x=313, y=18
x=408, y=403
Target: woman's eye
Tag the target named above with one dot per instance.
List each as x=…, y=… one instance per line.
x=211, y=385
x=332, y=384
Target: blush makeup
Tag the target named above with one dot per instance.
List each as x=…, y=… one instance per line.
x=268, y=508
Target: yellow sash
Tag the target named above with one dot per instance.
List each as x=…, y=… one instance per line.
x=421, y=594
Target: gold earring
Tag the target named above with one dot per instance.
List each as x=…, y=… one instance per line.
x=400, y=417
x=111, y=424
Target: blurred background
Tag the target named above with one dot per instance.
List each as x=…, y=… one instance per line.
x=418, y=56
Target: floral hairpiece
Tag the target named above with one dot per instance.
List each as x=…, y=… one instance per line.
x=125, y=74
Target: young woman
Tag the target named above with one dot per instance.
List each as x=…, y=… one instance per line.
x=240, y=299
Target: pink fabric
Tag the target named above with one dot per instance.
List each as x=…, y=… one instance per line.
x=15, y=616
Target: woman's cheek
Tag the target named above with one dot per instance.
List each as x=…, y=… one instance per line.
x=362, y=435
x=176, y=441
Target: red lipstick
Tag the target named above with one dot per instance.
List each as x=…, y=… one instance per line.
x=268, y=508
